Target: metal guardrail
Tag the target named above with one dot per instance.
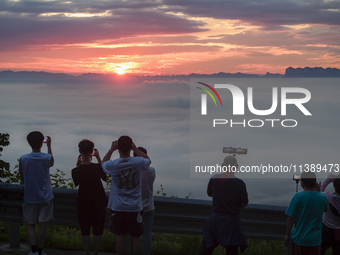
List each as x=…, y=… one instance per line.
x=172, y=215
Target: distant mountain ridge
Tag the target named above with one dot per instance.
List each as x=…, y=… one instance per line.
x=312, y=72
x=34, y=74
x=41, y=77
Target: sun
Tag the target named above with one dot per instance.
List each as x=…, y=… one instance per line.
x=123, y=67
x=120, y=70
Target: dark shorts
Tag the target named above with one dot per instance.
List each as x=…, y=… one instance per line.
x=127, y=222
x=329, y=239
x=225, y=230
x=94, y=218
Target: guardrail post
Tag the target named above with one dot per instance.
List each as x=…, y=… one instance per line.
x=14, y=234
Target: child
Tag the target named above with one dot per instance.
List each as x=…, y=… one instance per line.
x=37, y=208
x=331, y=218
x=125, y=195
x=304, y=221
x=92, y=200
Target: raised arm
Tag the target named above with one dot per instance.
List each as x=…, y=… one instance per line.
x=329, y=179
x=139, y=153
x=96, y=154
x=49, y=150
x=114, y=146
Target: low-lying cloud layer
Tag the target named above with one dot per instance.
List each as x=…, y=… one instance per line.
x=155, y=113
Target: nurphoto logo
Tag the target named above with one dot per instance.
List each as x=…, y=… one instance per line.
x=239, y=104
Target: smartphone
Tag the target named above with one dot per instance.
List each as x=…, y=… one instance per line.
x=229, y=150
x=234, y=150
x=296, y=177
x=241, y=151
x=45, y=139
x=93, y=152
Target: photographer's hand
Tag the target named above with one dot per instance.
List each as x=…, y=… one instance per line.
x=133, y=147
x=331, y=176
x=286, y=240
x=48, y=141
x=96, y=154
x=49, y=150
x=114, y=146
x=78, y=160
x=138, y=152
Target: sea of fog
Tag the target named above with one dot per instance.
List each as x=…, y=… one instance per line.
x=156, y=114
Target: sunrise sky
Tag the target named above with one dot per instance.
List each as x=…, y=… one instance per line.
x=165, y=37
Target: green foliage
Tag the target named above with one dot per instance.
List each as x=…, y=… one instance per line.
x=58, y=180
x=259, y=247
x=189, y=195
x=108, y=183
x=64, y=237
x=176, y=244
x=4, y=166
x=162, y=193
x=61, y=237
x=13, y=177
x=108, y=243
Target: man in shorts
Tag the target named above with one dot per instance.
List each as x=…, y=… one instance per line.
x=125, y=195
x=37, y=208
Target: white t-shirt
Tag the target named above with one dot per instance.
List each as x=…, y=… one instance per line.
x=125, y=193
x=37, y=181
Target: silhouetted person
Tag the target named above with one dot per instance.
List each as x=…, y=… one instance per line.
x=229, y=195
x=331, y=218
x=125, y=195
x=304, y=218
x=38, y=207
x=148, y=178
x=92, y=200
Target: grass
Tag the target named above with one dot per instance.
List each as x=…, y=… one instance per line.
x=61, y=237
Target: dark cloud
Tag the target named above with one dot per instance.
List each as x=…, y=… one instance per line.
x=38, y=7
x=21, y=26
x=158, y=50
x=250, y=38
x=268, y=14
x=325, y=37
